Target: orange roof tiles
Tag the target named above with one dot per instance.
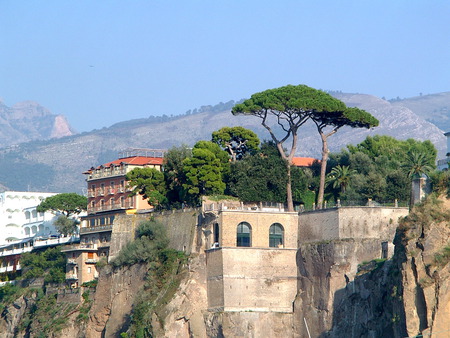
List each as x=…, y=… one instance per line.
x=303, y=161
x=132, y=160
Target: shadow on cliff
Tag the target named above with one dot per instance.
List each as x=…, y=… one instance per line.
x=372, y=304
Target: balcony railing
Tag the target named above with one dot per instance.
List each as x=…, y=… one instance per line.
x=91, y=260
x=96, y=174
x=79, y=247
x=109, y=207
x=15, y=251
x=71, y=261
x=72, y=277
x=96, y=229
x=8, y=269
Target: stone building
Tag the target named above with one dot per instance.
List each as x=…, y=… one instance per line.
x=252, y=250
x=250, y=257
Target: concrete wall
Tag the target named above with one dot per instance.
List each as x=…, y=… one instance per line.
x=251, y=279
x=260, y=223
x=349, y=222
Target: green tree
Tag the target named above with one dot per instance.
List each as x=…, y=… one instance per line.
x=65, y=225
x=259, y=177
x=418, y=164
x=205, y=170
x=328, y=122
x=290, y=106
x=383, y=164
x=149, y=183
x=174, y=175
x=68, y=204
x=237, y=141
x=340, y=177
x=50, y=264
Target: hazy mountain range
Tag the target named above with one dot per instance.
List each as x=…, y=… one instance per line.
x=41, y=152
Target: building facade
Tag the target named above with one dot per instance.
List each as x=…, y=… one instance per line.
x=19, y=218
x=108, y=197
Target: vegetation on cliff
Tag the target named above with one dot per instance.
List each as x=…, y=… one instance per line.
x=163, y=276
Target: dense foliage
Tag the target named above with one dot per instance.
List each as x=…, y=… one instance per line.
x=50, y=264
x=149, y=183
x=380, y=168
x=206, y=170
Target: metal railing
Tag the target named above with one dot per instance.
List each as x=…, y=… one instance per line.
x=241, y=206
x=107, y=173
x=354, y=203
x=96, y=229
x=81, y=246
x=109, y=207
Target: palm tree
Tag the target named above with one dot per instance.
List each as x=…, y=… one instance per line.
x=417, y=164
x=340, y=177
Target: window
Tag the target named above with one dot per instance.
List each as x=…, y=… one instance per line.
x=384, y=250
x=244, y=234
x=216, y=232
x=90, y=255
x=89, y=269
x=276, y=236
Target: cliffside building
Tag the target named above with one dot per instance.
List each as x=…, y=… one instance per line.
x=108, y=197
x=23, y=229
x=252, y=250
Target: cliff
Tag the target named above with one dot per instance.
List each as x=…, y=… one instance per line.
x=341, y=290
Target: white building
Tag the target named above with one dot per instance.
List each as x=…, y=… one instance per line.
x=19, y=218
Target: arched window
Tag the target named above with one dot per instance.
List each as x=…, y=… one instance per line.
x=244, y=234
x=276, y=236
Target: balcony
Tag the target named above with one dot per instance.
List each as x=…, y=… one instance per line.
x=71, y=277
x=91, y=261
x=7, y=269
x=97, y=174
x=110, y=207
x=101, y=228
x=15, y=251
x=79, y=247
x=71, y=261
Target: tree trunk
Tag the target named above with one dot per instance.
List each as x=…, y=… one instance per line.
x=290, y=203
x=323, y=170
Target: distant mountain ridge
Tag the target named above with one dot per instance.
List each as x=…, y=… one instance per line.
x=27, y=121
x=56, y=164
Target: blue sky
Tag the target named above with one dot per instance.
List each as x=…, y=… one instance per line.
x=101, y=62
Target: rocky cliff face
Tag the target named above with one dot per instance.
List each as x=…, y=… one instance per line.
x=26, y=121
x=407, y=296
x=339, y=295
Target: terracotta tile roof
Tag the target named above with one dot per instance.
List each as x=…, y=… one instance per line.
x=304, y=161
x=132, y=160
